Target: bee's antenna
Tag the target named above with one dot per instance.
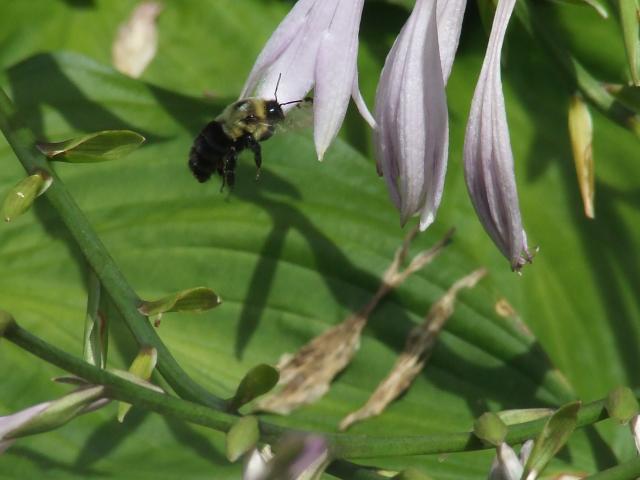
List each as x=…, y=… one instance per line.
x=289, y=103
x=275, y=94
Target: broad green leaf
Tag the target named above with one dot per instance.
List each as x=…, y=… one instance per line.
x=94, y=147
x=242, y=437
x=305, y=246
x=197, y=299
x=411, y=474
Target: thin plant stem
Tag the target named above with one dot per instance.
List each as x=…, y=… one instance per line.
x=625, y=471
x=23, y=142
x=343, y=445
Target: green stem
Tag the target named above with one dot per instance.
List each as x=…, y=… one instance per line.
x=343, y=445
x=625, y=471
x=23, y=142
x=119, y=388
x=343, y=469
x=590, y=87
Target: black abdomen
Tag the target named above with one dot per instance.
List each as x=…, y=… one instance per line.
x=208, y=151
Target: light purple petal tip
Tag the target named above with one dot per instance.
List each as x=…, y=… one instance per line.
x=488, y=158
x=315, y=47
x=335, y=72
x=450, y=15
x=12, y=422
x=411, y=112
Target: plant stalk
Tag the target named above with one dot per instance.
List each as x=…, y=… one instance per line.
x=23, y=142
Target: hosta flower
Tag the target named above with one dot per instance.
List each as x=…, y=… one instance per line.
x=49, y=415
x=488, y=160
x=315, y=46
x=507, y=465
x=303, y=458
x=411, y=112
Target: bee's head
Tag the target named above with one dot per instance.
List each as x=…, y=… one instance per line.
x=274, y=111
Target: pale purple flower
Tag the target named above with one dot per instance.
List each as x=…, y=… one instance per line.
x=411, y=111
x=49, y=415
x=301, y=458
x=315, y=47
x=507, y=465
x=488, y=159
x=634, y=424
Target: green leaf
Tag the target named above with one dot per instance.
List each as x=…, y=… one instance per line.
x=595, y=4
x=412, y=474
x=141, y=367
x=522, y=415
x=490, y=428
x=21, y=197
x=6, y=320
x=258, y=381
x=304, y=247
x=628, y=95
x=622, y=405
x=94, y=147
x=630, y=19
x=553, y=437
x=242, y=437
x=197, y=299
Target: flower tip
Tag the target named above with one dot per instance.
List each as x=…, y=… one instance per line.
x=426, y=220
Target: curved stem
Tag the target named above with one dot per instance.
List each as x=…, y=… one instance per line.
x=23, y=142
x=343, y=445
x=625, y=471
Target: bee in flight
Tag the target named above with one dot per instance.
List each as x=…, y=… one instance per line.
x=242, y=125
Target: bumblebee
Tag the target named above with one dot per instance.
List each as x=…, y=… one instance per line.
x=242, y=125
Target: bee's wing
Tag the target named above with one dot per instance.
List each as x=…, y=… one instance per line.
x=298, y=117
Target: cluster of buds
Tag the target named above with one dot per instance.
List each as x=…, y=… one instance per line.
x=316, y=47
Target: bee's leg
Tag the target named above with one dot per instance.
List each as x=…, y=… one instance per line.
x=254, y=146
x=229, y=169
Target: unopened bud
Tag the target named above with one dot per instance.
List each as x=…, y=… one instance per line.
x=196, y=299
x=490, y=428
x=142, y=367
x=21, y=197
x=242, y=437
x=581, y=133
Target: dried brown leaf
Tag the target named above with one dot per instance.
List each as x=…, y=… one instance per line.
x=307, y=375
x=417, y=350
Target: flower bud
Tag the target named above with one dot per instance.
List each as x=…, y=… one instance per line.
x=21, y=197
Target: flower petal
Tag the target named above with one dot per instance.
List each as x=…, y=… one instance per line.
x=361, y=104
x=335, y=72
x=14, y=421
x=450, y=15
x=411, y=111
x=279, y=41
x=511, y=467
x=487, y=153
x=294, y=64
